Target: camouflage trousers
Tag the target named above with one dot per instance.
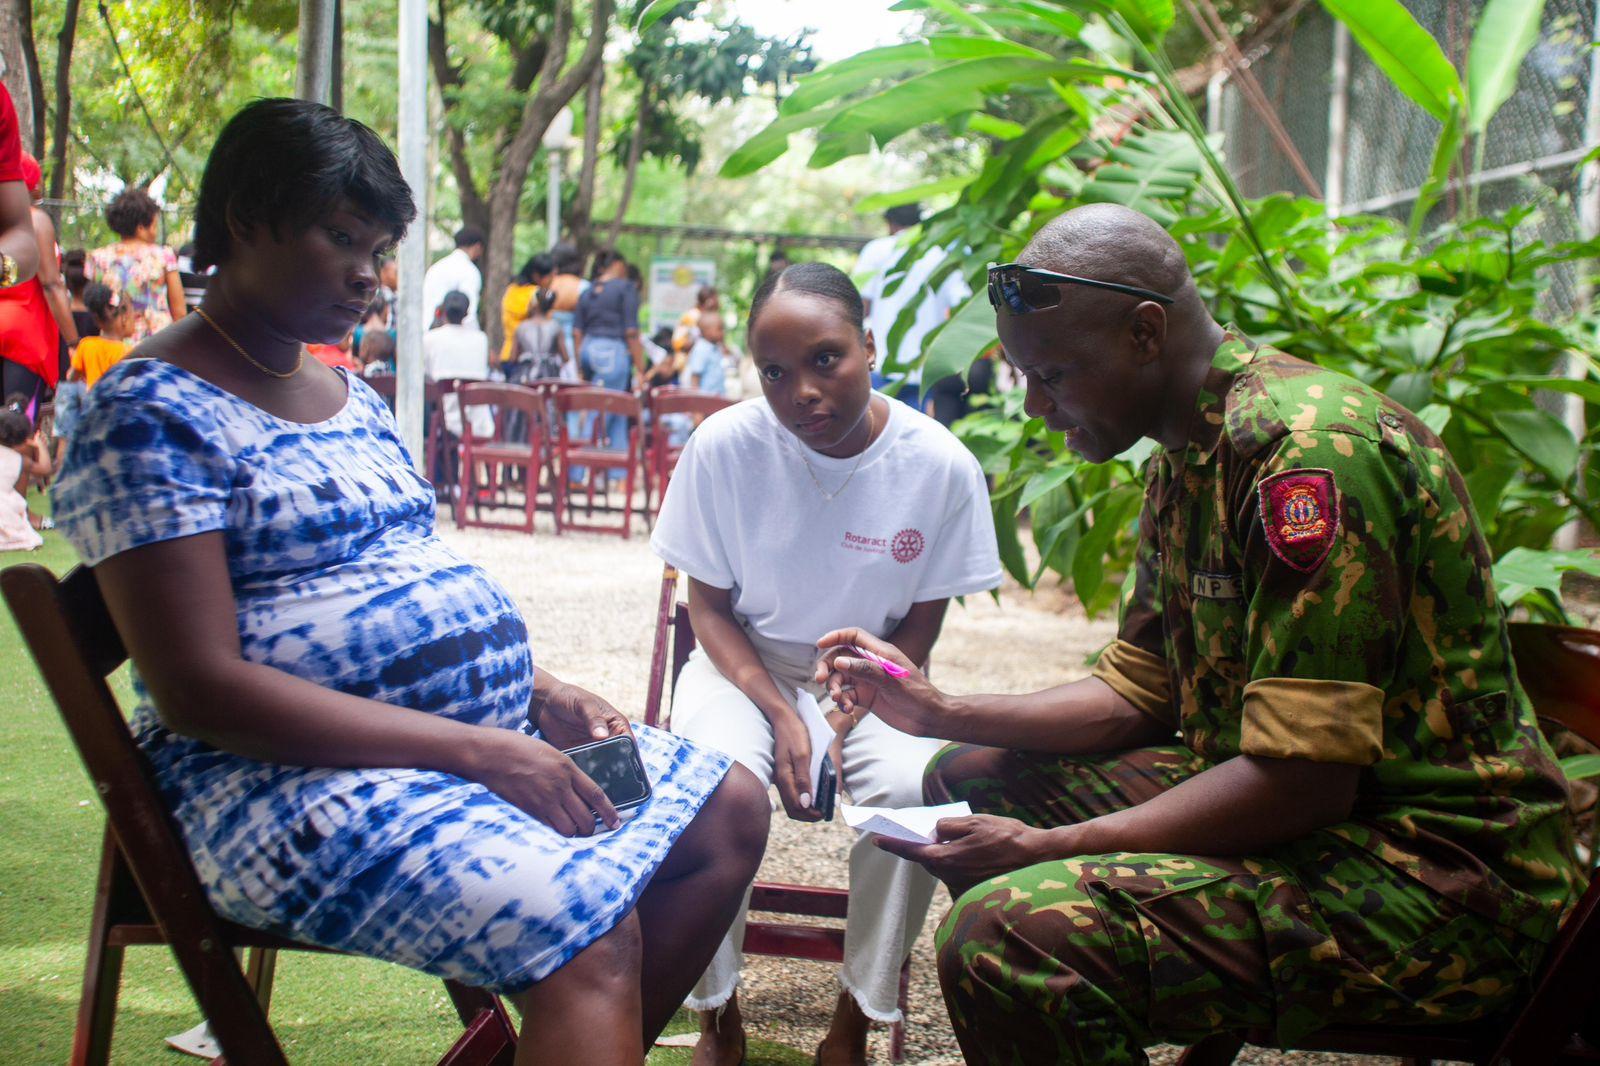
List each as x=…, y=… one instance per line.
x=1092, y=959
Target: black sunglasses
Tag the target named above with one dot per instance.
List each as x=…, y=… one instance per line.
x=1022, y=289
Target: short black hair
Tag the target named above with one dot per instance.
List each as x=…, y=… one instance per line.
x=318, y=156
x=101, y=302
x=603, y=260
x=903, y=215
x=546, y=299
x=130, y=209
x=568, y=259
x=455, y=305
x=467, y=236
x=15, y=425
x=377, y=345
x=75, y=271
x=704, y=293
x=813, y=279
x=536, y=267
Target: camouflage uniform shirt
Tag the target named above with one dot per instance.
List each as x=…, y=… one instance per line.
x=1311, y=583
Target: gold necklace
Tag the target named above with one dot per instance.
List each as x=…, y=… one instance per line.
x=298, y=363
x=872, y=426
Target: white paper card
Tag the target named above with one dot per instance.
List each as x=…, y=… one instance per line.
x=821, y=732
x=914, y=824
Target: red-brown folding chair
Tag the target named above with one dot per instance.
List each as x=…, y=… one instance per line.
x=591, y=453
x=499, y=453
x=674, y=641
x=1558, y=1024
x=662, y=455
x=547, y=389
x=147, y=891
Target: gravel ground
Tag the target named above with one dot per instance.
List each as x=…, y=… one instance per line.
x=590, y=603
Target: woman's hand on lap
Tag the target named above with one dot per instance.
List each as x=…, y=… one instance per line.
x=537, y=778
x=856, y=684
x=791, y=770
x=569, y=716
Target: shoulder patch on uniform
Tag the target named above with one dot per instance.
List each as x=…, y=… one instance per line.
x=1300, y=513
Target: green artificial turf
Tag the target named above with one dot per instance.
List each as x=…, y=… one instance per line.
x=327, y=1010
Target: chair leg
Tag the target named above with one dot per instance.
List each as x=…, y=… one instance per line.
x=261, y=966
x=530, y=492
x=102, y=971
x=1218, y=1049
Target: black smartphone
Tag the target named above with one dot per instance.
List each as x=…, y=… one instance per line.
x=827, y=789
x=615, y=766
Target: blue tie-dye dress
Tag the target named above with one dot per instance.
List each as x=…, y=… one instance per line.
x=339, y=579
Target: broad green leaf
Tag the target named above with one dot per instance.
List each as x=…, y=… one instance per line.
x=858, y=71
x=1152, y=18
x=961, y=338
x=954, y=47
x=1506, y=31
x=1588, y=388
x=950, y=10
x=949, y=90
x=657, y=10
x=832, y=147
x=1444, y=155
x=882, y=201
x=772, y=142
x=1522, y=570
x=1543, y=438
x=1411, y=391
x=1035, y=17
x=1148, y=172
x=1043, y=482
x=1580, y=767
x=1002, y=129
x=1089, y=564
x=1012, y=557
x=1403, y=50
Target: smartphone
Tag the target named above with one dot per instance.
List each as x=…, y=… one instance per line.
x=615, y=766
x=827, y=789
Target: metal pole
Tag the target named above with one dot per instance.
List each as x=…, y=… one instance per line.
x=1588, y=228
x=552, y=196
x=1214, y=87
x=314, y=73
x=413, y=258
x=1338, y=120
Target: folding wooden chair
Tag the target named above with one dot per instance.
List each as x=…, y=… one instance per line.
x=661, y=454
x=500, y=452
x=592, y=454
x=674, y=640
x=1558, y=1024
x=147, y=891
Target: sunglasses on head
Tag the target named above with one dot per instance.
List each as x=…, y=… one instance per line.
x=1021, y=289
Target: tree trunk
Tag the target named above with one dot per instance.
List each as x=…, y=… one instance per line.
x=16, y=24
x=582, y=222
x=635, y=149
x=30, y=56
x=555, y=90
x=61, y=128
x=474, y=211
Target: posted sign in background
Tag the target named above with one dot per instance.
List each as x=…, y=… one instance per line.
x=673, y=284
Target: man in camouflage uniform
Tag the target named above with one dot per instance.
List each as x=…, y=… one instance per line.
x=1311, y=688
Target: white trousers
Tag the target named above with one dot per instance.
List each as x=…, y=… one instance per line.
x=889, y=897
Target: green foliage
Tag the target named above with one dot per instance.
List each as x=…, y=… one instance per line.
x=1457, y=330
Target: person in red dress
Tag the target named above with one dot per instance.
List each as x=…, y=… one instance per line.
x=30, y=335
x=19, y=253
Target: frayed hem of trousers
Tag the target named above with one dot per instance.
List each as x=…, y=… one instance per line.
x=866, y=1008
x=713, y=1002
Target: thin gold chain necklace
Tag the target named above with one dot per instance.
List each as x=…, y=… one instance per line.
x=298, y=363
x=872, y=426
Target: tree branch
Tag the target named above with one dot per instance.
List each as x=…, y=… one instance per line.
x=63, y=110
x=474, y=210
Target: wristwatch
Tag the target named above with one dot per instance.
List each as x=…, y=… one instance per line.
x=9, y=270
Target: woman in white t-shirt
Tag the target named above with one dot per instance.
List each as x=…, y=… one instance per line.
x=821, y=505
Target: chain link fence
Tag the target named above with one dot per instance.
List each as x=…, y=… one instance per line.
x=1380, y=154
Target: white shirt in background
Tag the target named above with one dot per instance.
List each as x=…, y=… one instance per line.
x=456, y=272
x=912, y=524
x=458, y=352
x=933, y=309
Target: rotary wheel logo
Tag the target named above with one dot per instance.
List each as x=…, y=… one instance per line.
x=906, y=546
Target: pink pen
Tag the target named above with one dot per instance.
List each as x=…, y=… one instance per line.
x=892, y=669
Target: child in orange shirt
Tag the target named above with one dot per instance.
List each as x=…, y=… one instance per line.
x=95, y=355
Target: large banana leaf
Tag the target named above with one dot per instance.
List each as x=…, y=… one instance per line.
x=959, y=339
x=1506, y=31
x=1151, y=171
x=1403, y=50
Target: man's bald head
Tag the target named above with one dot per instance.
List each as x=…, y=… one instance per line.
x=1111, y=243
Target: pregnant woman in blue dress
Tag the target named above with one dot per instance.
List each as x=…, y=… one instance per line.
x=344, y=716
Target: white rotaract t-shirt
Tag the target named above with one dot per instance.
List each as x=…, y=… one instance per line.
x=913, y=524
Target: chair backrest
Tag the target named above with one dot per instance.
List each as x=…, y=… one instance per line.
x=504, y=398
x=385, y=385
x=687, y=402
x=553, y=384
x=674, y=641
x=600, y=401
x=72, y=638
x=1559, y=667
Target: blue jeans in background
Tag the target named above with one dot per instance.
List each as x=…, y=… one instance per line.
x=605, y=362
